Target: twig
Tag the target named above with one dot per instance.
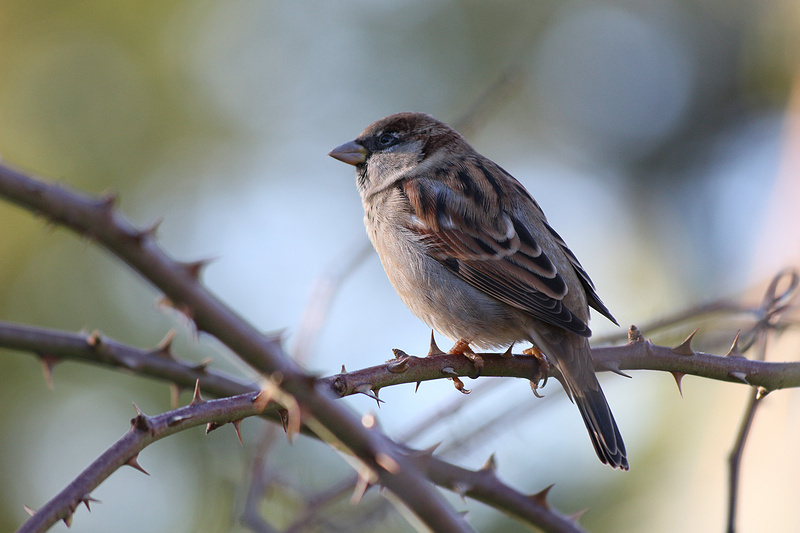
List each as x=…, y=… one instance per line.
x=53, y=346
x=144, y=431
x=482, y=485
x=322, y=295
x=257, y=483
x=735, y=458
x=773, y=305
x=637, y=355
x=725, y=307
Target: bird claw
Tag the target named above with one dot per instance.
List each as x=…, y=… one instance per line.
x=544, y=366
x=462, y=348
x=459, y=385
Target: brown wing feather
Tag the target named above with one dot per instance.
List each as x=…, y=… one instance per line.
x=470, y=231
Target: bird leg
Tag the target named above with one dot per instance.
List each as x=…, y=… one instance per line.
x=461, y=347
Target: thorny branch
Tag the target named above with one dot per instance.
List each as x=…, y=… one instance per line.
x=99, y=220
x=53, y=346
x=160, y=362
x=482, y=485
x=773, y=305
x=144, y=431
x=397, y=468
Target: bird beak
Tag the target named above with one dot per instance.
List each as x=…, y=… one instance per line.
x=351, y=153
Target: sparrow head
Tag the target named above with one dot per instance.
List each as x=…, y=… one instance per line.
x=396, y=147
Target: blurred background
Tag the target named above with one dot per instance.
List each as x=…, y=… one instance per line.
x=661, y=138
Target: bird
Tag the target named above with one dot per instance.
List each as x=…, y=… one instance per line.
x=470, y=252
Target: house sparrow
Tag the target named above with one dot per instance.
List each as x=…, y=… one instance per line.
x=470, y=253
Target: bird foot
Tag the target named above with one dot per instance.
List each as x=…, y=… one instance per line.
x=544, y=367
x=461, y=347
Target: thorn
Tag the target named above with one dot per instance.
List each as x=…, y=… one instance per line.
x=196, y=398
x=133, y=463
x=48, y=362
x=344, y=370
x=366, y=389
x=93, y=340
x=576, y=516
x=107, y=201
x=448, y=370
x=761, y=392
x=141, y=422
x=387, y=462
x=490, y=465
x=68, y=520
x=685, y=348
x=211, y=426
x=164, y=348
x=541, y=496
x=678, y=378
x=87, y=499
x=362, y=484
x=416, y=387
x=202, y=365
x=741, y=376
x=194, y=268
x=434, y=349
x=29, y=510
x=149, y=231
x=428, y=452
x=398, y=353
x=398, y=367
x=162, y=303
x=461, y=489
x=174, y=395
x=507, y=354
x=613, y=366
x=634, y=335
x=237, y=426
x=735, y=351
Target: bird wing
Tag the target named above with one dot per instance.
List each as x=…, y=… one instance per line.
x=588, y=287
x=465, y=224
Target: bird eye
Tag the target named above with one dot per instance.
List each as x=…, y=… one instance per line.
x=386, y=139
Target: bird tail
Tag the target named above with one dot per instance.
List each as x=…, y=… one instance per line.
x=602, y=427
x=572, y=357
